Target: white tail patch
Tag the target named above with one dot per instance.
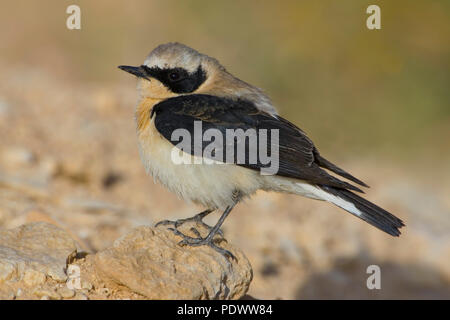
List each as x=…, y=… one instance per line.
x=307, y=190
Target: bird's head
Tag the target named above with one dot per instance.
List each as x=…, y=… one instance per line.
x=174, y=69
x=171, y=69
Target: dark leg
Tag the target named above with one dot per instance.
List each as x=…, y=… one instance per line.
x=208, y=240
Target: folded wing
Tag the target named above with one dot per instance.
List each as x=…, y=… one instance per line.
x=297, y=155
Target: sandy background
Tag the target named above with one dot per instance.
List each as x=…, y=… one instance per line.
x=375, y=102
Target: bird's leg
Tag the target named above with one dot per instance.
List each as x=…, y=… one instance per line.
x=208, y=240
x=197, y=218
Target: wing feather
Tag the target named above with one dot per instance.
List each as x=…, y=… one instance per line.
x=298, y=157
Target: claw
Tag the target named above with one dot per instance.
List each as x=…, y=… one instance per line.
x=165, y=222
x=224, y=252
x=197, y=218
x=195, y=242
x=177, y=232
x=196, y=232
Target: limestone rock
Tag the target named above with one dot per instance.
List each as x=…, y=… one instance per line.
x=66, y=292
x=150, y=262
x=34, y=251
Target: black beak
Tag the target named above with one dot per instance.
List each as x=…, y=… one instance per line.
x=137, y=71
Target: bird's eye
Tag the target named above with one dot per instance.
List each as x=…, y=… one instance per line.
x=174, y=76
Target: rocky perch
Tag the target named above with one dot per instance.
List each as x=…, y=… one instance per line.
x=42, y=261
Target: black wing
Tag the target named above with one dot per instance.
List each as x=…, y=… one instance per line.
x=298, y=157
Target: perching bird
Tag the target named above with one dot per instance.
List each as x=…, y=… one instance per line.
x=182, y=89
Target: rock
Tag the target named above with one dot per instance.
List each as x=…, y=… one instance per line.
x=104, y=292
x=33, y=278
x=86, y=285
x=66, y=292
x=33, y=251
x=35, y=215
x=46, y=294
x=7, y=269
x=150, y=262
x=10, y=296
x=36, y=260
x=81, y=296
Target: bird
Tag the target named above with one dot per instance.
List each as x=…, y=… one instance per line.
x=183, y=90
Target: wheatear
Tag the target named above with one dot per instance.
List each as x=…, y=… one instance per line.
x=182, y=89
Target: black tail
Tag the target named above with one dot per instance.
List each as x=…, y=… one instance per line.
x=370, y=212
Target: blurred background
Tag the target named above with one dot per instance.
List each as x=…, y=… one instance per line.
x=376, y=102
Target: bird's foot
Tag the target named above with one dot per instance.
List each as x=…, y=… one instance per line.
x=198, y=218
x=200, y=241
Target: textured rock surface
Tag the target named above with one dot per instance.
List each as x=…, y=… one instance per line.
x=150, y=262
x=39, y=260
x=33, y=251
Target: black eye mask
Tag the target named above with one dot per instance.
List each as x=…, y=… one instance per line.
x=177, y=80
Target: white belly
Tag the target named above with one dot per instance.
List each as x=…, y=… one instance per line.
x=211, y=185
